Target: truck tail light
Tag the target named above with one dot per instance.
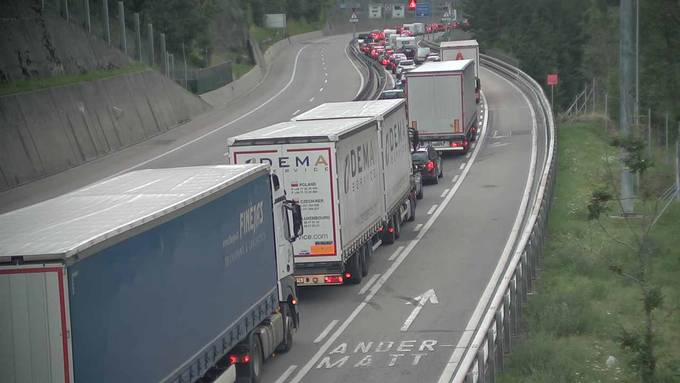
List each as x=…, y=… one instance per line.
x=335, y=279
x=390, y=230
x=294, y=301
x=348, y=275
x=245, y=359
x=233, y=359
x=430, y=166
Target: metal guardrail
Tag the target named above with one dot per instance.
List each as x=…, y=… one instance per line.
x=492, y=337
x=376, y=75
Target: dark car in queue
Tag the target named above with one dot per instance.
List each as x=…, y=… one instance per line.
x=429, y=162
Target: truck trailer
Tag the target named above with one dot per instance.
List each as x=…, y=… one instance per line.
x=462, y=50
x=441, y=104
x=390, y=115
x=333, y=168
x=157, y=275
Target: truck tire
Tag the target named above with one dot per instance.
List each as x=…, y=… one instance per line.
x=397, y=225
x=435, y=180
x=288, y=330
x=412, y=213
x=364, y=260
x=387, y=237
x=441, y=171
x=420, y=192
x=251, y=372
x=354, y=268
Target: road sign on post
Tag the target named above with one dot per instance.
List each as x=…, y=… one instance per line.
x=423, y=9
x=412, y=5
x=354, y=18
x=552, y=80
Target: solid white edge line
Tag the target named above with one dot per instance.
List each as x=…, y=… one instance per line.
x=367, y=285
x=432, y=209
x=396, y=253
x=286, y=374
x=418, y=227
x=393, y=267
x=466, y=336
x=326, y=331
x=241, y=117
x=444, y=193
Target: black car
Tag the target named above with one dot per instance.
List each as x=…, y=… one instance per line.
x=391, y=94
x=429, y=163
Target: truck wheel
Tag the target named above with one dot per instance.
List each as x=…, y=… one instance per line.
x=388, y=238
x=441, y=171
x=420, y=192
x=397, y=225
x=435, y=180
x=364, y=260
x=251, y=372
x=412, y=214
x=288, y=330
x=354, y=268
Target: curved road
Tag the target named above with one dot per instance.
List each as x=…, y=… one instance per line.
x=408, y=320
x=303, y=76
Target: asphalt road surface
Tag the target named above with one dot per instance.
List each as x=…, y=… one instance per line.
x=406, y=319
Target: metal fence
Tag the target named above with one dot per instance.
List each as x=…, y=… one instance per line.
x=493, y=335
x=137, y=37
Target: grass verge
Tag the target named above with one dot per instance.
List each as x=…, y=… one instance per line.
x=48, y=82
x=580, y=308
x=266, y=37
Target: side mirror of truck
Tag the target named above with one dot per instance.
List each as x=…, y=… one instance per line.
x=293, y=220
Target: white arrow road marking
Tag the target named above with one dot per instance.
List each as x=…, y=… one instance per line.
x=429, y=296
x=418, y=226
x=326, y=331
x=444, y=193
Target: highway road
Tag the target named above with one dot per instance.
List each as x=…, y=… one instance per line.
x=409, y=316
x=307, y=74
x=407, y=319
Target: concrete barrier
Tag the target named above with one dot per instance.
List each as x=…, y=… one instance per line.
x=251, y=80
x=48, y=131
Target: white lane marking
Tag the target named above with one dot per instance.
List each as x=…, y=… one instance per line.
x=241, y=117
x=325, y=81
x=368, y=284
x=286, y=374
x=311, y=99
x=418, y=226
x=473, y=145
x=296, y=112
x=468, y=155
x=429, y=296
x=326, y=331
x=455, y=179
x=444, y=193
x=388, y=273
x=462, y=166
x=432, y=209
x=361, y=76
x=396, y=253
x=321, y=89
x=465, y=338
x=326, y=74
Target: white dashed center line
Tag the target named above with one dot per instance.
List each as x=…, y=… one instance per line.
x=418, y=226
x=432, y=209
x=462, y=166
x=444, y=193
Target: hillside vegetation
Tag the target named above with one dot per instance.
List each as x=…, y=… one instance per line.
x=579, y=40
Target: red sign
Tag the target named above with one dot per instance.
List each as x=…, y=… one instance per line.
x=412, y=5
x=459, y=56
x=553, y=79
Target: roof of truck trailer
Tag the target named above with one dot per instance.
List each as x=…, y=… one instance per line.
x=441, y=66
x=373, y=108
x=329, y=130
x=74, y=222
x=459, y=43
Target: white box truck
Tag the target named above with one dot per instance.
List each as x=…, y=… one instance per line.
x=399, y=202
x=441, y=104
x=418, y=28
x=332, y=169
x=462, y=50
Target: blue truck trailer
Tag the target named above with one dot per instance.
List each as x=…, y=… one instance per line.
x=171, y=275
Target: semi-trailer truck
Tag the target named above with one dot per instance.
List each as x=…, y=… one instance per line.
x=390, y=115
x=463, y=50
x=157, y=275
x=441, y=104
x=334, y=168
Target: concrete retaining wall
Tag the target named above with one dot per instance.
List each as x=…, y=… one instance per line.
x=248, y=82
x=51, y=130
